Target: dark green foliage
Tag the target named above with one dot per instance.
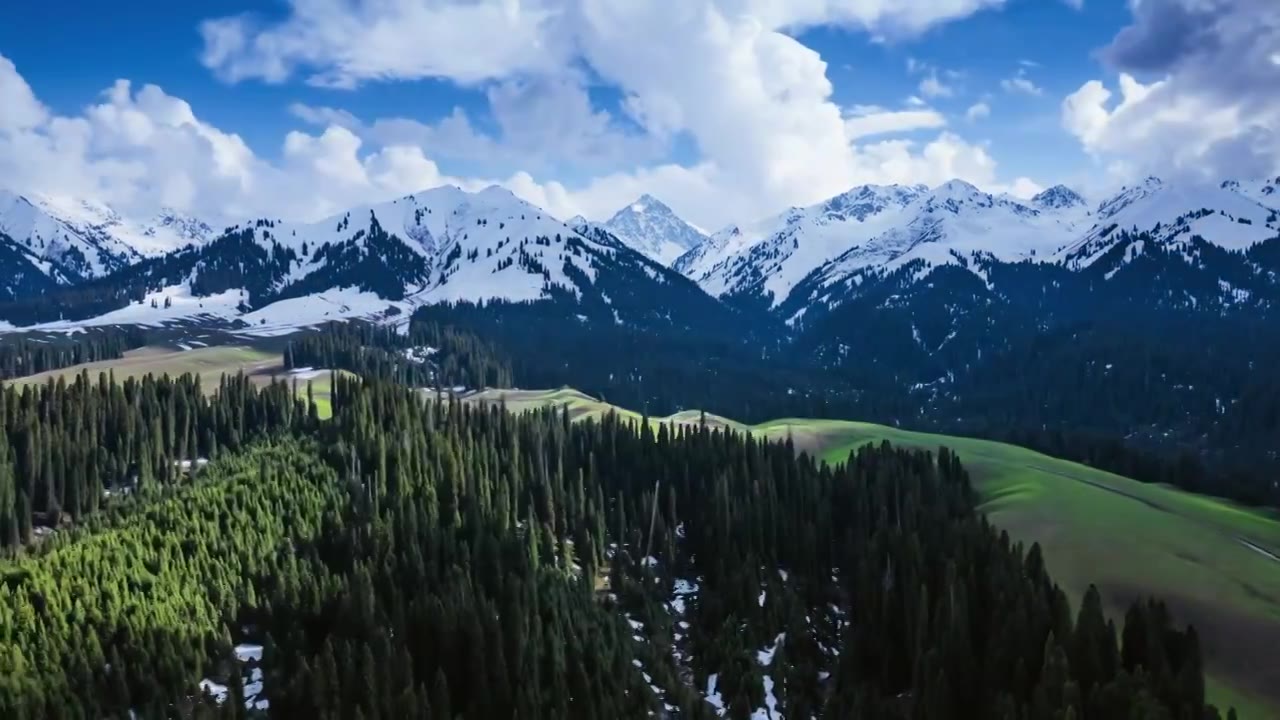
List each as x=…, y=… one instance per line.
x=426, y=356
x=74, y=448
x=1149, y=369
x=419, y=559
x=22, y=355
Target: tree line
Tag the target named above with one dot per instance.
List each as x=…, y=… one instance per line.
x=426, y=355
x=22, y=355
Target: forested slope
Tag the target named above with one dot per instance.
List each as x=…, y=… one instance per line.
x=415, y=559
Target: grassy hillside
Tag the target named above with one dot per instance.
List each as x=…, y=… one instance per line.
x=209, y=362
x=582, y=406
x=1215, y=563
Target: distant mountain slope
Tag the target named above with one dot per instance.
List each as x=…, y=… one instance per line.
x=86, y=240
x=764, y=262
x=955, y=224
x=1221, y=215
x=449, y=245
x=822, y=254
x=441, y=245
x=653, y=229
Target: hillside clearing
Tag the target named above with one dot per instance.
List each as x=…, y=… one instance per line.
x=210, y=363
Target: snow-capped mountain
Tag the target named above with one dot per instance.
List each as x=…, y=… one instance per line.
x=71, y=240
x=767, y=259
x=954, y=224
x=1058, y=197
x=813, y=252
x=440, y=245
x=653, y=229
x=1265, y=192
x=446, y=245
x=1223, y=215
x=868, y=224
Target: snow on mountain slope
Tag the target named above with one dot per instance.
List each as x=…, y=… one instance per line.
x=722, y=244
x=85, y=239
x=1058, y=197
x=954, y=224
x=653, y=229
x=162, y=232
x=1222, y=215
x=815, y=251
x=768, y=259
x=176, y=306
x=473, y=246
x=1264, y=192
x=440, y=245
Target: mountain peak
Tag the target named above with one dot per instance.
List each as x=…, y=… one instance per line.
x=1058, y=197
x=862, y=202
x=496, y=191
x=956, y=188
x=647, y=203
x=650, y=227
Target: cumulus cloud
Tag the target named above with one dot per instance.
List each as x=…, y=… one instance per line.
x=140, y=149
x=19, y=108
x=977, y=111
x=1211, y=104
x=134, y=143
x=343, y=43
x=728, y=77
x=545, y=125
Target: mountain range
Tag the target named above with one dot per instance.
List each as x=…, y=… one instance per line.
x=449, y=245
x=1144, y=316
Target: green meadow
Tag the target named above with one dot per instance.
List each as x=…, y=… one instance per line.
x=210, y=363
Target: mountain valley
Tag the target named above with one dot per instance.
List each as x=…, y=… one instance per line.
x=1126, y=336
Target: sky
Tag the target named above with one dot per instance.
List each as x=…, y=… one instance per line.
x=727, y=110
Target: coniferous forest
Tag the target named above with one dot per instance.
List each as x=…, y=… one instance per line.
x=412, y=558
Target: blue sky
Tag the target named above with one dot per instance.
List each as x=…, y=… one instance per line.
x=717, y=106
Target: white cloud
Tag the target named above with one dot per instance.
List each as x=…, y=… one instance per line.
x=728, y=76
x=1214, y=110
x=1020, y=83
x=19, y=108
x=543, y=124
x=1025, y=188
x=931, y=86
x=867, y=121
x=977, y=111
x=1151, y=129
x=344, y=43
